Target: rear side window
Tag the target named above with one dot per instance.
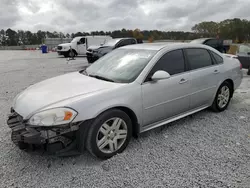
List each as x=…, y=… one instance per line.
x=217, y=58
x=212, y=42
x=171, y=62
x=198, y=58
x=132, y=41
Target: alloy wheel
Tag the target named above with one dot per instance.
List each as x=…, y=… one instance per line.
x=111, y=135
x=223, y=96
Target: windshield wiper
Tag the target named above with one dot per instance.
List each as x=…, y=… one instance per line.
x=101, y=77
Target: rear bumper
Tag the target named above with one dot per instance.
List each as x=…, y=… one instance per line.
x=53, y=139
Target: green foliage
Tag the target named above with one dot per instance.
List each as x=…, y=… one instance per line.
x=235, y=29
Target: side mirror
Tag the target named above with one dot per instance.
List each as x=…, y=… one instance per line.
x=248, y=53
x=160, y=75
x=78, y=43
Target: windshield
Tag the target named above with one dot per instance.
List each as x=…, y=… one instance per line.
x=75, y=40
x=244, y=49
x=111, y=42
x=198, y=41
x=121, y=65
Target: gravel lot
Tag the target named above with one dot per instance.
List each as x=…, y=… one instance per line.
x=204, y=150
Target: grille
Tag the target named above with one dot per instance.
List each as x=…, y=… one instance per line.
x=59, y=47
x=15, y=122
x=14, y=119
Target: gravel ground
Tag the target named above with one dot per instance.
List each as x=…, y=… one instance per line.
x=204, y=150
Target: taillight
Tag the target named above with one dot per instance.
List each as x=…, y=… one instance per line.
x=240, y=66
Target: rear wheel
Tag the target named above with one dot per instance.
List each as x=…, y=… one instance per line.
x=109, y=134
x=223, y=97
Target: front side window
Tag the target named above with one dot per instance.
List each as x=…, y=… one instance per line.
x=198, y=58
x=171, y=62
x=121, y=65
x=82, y=41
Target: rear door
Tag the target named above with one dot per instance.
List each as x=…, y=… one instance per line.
x=244, y=56
x=205, y=75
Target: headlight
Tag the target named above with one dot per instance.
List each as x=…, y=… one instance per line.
x=56, y=116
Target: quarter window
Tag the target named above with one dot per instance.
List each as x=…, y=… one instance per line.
x=198, y=58
x=172, y=62
x=217, y=58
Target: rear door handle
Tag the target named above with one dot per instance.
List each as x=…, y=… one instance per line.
x=182, y=81
x=216, y=71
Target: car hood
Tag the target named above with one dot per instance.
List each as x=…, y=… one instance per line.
x=65, y=44
x=105, y=49
x=57, y=89
x=93, y=47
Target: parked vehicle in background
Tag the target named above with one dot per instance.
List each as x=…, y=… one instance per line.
x=94, y=53
x=218, y=44
x=130, y=90
x=242, y=51
x=80, y=45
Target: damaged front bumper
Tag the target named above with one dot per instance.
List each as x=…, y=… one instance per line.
x=60, y=140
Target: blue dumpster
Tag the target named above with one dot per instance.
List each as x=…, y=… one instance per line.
x=44, y=49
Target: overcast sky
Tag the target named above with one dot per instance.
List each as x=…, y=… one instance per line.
x=90, y=15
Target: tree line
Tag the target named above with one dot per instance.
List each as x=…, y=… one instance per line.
x=235, y=29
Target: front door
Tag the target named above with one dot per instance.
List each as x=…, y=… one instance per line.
x=204, y=77
x=166, y=98
x=81, y=46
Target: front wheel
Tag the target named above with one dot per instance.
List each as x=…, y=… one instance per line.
x=90, y=59
x=223, y=97
x=109, y=134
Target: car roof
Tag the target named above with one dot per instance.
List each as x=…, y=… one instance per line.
x=94, y=36
x=161, y=45
x=122, y=38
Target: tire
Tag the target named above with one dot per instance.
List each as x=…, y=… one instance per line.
x=90, y=60
x=248, y=72
x=70, y=55
x=216, y=106
x=113, y=134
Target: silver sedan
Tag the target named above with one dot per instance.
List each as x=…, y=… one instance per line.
x=128, y=91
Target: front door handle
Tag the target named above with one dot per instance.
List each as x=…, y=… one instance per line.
x=216, y=71
x=182, y=81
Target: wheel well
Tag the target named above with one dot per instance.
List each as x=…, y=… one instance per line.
x=133, y=118
x=231, y=83
x=74, y=51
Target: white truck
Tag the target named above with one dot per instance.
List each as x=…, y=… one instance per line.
x=79, y=45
